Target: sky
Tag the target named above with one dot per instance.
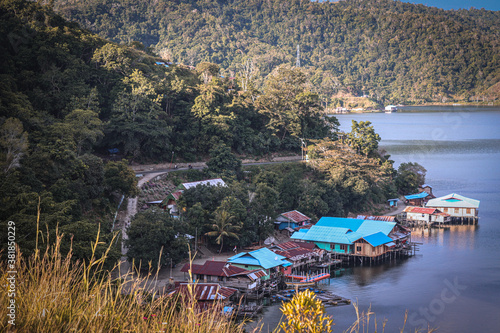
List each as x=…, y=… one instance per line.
x=458, y=4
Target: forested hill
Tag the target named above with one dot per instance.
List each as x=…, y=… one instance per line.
x=391, y=51
x=73, y=104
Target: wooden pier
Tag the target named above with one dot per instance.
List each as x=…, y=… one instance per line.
x=402, y=252
x=249, y=311
x=330, y=299
x=453, y=222
x=326, y=297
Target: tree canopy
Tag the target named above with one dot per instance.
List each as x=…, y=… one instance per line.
x=391, y=51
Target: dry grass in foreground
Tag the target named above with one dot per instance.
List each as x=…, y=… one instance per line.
x=54, y=294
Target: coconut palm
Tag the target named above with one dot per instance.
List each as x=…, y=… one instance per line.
x=223, y=227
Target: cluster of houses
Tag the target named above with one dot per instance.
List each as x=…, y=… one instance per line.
x=425, y=208
x=315, y=247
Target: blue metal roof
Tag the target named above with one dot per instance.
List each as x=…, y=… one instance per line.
x=364, y=227
x=261, y=257
x=377, y=239
x=370, y=227
x=328, y=235
x=346, y=231
x=340, y=222
x=420, y=195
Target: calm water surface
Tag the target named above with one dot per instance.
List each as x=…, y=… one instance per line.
x=453, y=283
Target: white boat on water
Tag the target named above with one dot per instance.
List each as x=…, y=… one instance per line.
x=391, y=108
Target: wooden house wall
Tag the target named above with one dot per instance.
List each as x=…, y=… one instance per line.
x=415, y=202
x=367, y=249
x=459, y=212
x=417, y=217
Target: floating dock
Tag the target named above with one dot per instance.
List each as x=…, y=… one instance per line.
x=326, y=297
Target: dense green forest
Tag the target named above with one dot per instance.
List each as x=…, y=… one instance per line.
x=393, y=52
x=73, y=104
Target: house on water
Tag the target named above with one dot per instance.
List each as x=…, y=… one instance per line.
x=356, y=238
x=460, y=208
x=170, y=202
x=301, y=255
x=291, y=220
x=391, y=108
x=426, y=216
x=263, y=258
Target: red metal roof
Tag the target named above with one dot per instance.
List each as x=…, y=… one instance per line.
x=214, y=268
x=289, y=254
x=296, y=216
x=189, y=266
x=419, y=210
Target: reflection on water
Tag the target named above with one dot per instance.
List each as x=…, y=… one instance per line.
x=454, y=237
x=442, y=147
x=461, y=152
x=451, y=108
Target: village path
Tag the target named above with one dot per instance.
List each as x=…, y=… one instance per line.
x=147, y=173
x=124, y=266
x=399, y=209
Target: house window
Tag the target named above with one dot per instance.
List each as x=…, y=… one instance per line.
x=467, y=210
x=343, y=247
x=445, y=210
x=358, y=248
x=456, y=210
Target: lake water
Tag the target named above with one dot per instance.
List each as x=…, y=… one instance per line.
x=453, y=283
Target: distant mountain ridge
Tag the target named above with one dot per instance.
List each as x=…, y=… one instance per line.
x=388, y=50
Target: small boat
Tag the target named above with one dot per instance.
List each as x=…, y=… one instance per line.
x=391, y=109
x=294, y=284
x=316, y=278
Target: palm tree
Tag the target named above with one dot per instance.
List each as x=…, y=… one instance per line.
x=223, y=227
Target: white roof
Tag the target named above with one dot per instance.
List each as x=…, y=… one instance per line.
x=453, y=200
x=208, y=182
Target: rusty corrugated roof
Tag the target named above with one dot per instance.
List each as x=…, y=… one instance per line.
x=385, y=218
x=205, y=291
x=256, y=274
x=176, y=195
x=296, y=216
x=189, y=266
x=292, y=245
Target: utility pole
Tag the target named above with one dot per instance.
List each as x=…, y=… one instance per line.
x=302, y=146
x=297, y=64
